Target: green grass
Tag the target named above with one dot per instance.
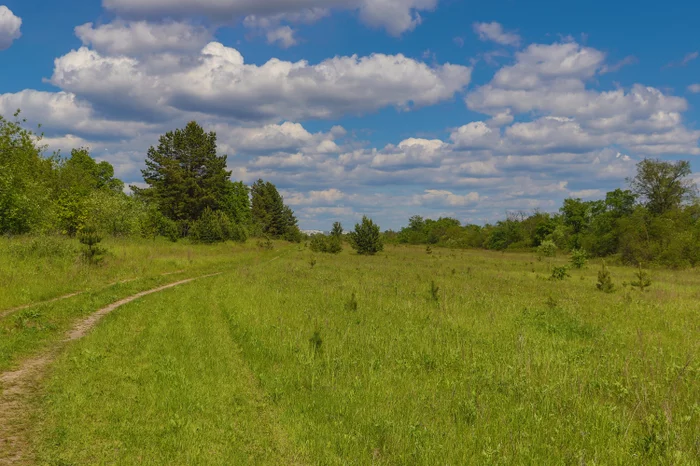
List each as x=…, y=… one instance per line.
x=270, y=363
x=35, y=274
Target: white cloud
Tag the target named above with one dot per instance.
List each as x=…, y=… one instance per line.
x=694, y=88
x=217, y=81
x=141, y=37
x=10, y=26
x=284, y=35
x=410, y=152
x=587, y=193
x=494, y=32
x=316, y=198
x=445, y=198
x=395, y=16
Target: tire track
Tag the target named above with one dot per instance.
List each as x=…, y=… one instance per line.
x=18, y=386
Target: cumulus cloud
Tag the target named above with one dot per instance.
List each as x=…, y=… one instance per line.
x=141, y=37
x=395, y=16
x=218, y=81
x=694, y=88
x=445, y=198
x=10, y=26
x=494, y=32
x=552, y=80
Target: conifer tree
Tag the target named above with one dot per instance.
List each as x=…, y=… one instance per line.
x=185, y=175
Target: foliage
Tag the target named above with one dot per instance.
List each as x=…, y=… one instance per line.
x=605, y=283
x=272, y=216
x=25, y=177
x=664, y=186
x=184, y=174
x=579, y=258
x=559, y=273
x=641, y=279
x=547, y=249
x=366, y=239
x=215, y=226
x=434, y=291
x=90, y=238
x=337, y=230
x=326, y=244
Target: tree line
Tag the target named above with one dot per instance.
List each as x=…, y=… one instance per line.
x=655, y=220
x=188, y=192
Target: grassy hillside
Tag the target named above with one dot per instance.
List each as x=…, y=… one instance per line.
x=403, y=358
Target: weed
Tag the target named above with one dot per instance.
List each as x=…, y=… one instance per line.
x=312, y=262
x=265, y=243
x=316, y=342
x=434, y=291
x=351, y=305
x=428, y=249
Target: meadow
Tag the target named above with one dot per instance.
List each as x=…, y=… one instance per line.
x=291, y=357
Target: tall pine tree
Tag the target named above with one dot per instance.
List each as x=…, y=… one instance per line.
x=185, y=175
x=269, y=212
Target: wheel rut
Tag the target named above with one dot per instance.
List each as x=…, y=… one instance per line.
x=18, y=386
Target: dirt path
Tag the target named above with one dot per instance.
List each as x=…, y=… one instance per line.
x=18, y=386
x=7, y=312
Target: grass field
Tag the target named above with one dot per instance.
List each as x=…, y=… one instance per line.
x=361, y=360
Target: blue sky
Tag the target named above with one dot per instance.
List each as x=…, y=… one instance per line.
x=383, y=107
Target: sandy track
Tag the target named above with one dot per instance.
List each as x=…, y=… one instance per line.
x=18, y=386
x=7, y=312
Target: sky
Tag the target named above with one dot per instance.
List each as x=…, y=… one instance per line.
x=389, y=108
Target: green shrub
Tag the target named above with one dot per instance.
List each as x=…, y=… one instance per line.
x=90, y=238
x=366, y=239
x=559, y=273
x=547, y=249
x=605, y=283
x=43, y=247
x=579, y=257
x=642, y=280
x=326, y=244
x=215, y=226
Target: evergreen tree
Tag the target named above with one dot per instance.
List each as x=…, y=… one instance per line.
x=269, y=212
x=185, y=175
x=337, y=230
x=366, y=239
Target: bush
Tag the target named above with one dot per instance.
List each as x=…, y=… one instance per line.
x=215, y=226
x=547, y=249
x=605, y=283
x=579, y=257
x=366, y=239
x=294, y=235
x=642, y=280
x=326, y=244
x=43, y=247
x=559, y=273
x=90, y=238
